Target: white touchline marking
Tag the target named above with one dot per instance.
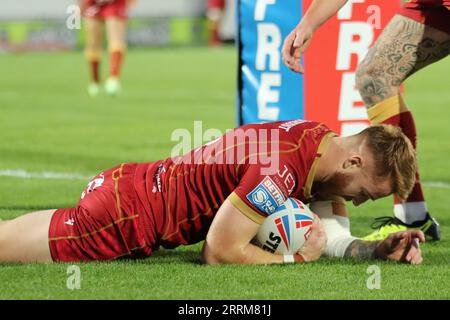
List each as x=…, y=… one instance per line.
x=436, y=184
x=20, y=173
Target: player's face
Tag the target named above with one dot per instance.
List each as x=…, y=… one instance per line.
x=368, y=187
x=357, y=186
x=362, y=183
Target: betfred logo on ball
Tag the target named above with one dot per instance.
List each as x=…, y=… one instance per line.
x=286, y=230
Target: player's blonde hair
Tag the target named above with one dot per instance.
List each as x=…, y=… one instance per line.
x=394, y=156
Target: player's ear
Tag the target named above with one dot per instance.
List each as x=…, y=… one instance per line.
x=354, y=161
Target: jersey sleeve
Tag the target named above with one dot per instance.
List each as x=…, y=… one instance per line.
x=258, y=195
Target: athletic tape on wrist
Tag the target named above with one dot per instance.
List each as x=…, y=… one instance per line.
x=293, y=258
x=288, y=258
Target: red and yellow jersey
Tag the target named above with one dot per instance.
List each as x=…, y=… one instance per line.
x=215, y=4
x=257, y=167
x=434, y=13
x=105, y=2
x=427, y=3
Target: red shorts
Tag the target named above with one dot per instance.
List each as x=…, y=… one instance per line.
x=113, y=9
x=216, y=4
x=437, y=17
x=106, y=224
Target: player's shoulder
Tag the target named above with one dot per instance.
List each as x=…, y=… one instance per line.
x=289, y=129
x=304, y=128
x=286, y=125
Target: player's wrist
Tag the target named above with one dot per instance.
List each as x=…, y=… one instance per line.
x=306, y=257
x=380, y=251
x=299, y=258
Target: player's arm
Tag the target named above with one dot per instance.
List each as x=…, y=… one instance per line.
x=401, y=246
x=320, y=11
x=298, y=40
x=230, y=234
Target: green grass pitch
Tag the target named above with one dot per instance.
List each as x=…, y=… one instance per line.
x=48, y=124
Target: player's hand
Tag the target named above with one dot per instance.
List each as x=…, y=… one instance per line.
x=294, y=46
x=402, y=246
x=316, y=243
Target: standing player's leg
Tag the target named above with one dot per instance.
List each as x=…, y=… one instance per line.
x=93, y=52
x=116, y=34
x=214, y=13
x=404, y=47
x=25, y=239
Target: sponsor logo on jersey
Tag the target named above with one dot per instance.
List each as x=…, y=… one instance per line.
x=289, y=124
x=94, y=184
x=267, y=196
x=70, y=222
x=157, y=184
x=287, y=177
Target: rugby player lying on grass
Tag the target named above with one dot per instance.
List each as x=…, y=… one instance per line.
x=214, y=192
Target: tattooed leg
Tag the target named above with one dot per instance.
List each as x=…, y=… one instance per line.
x=404, y=47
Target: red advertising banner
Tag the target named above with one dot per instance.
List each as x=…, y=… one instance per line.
x=330, y=63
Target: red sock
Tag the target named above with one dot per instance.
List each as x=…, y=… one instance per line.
x=95, y=67
x=214, y=37
x=115, y=63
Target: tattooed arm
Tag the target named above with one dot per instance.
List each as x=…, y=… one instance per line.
x=400, y=246
x=360, y=249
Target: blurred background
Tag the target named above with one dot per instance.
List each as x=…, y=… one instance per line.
x=41, y=25
x=176, y=69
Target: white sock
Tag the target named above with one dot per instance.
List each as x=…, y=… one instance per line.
x=410, y=212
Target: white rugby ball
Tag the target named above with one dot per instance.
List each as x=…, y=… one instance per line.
x=286, y=230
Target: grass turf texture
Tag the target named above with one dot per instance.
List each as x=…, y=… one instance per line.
x=49, y=124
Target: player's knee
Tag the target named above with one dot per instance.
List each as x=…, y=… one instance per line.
x=93, y=53
x=117, y=46
x=363, y=75
x=374, y=85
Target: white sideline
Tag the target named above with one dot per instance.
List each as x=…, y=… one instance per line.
x=20, y=173
x=436, y=184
